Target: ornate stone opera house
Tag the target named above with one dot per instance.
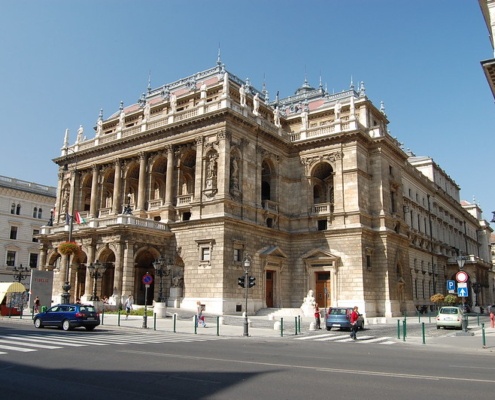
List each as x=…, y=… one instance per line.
x=205, y=171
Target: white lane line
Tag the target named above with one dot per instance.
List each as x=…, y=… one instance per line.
x=41, y=346
x=332, y=338
x=21, y=349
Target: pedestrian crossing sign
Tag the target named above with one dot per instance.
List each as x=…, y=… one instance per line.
x=462, y=292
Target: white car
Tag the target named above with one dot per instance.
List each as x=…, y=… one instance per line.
x=450, y=317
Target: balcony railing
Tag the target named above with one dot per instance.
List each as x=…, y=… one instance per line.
x=322, y=208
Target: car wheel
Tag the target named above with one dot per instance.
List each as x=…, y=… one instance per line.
x=438, y=327
x=361, y=327
x=37, y=323
x=66, y=325
x=328, y=328
x=90, y=328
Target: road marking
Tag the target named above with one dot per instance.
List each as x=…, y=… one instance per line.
x=21, y=349
x=18, y=342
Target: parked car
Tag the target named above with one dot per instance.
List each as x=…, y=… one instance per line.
x=450, y=317
x=339, y=317
x=68, y=316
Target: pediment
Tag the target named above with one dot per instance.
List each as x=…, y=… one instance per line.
x=272, y=251
x=319, y=254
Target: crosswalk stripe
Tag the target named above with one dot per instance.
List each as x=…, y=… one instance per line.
x=331, y=338
x=21, y=349
x=43, y=340
x=41, y=346
x=376, y=339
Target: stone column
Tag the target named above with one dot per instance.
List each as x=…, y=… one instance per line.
x=223, y=170
x=88, y=282
x=118, y=273
x=128, y=271
x=142, y=182
x=94, y=193
x=43, y=257
x=170, y=174
x=117, y=188
x=198, y=176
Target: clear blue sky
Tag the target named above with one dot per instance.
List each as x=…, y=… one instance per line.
x=61, y=61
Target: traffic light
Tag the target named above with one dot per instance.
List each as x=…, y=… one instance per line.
x=240, y=281
x=252, y=281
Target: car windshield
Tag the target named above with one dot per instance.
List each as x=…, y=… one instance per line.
x=451, y=310
x=338, y=311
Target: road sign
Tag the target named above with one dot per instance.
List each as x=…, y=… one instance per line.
x=450, y=285
x=147, y=279
x=462, y=292
x=462, y=284
x=461, y=276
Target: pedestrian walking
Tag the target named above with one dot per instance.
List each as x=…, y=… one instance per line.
x=317, y=317
x=353, y=319
x=128, y=306
x=492, y=318
x=200, y=319
x=37, y=305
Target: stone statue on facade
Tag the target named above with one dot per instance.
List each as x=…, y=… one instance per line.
x=256, y=104
x=276, y=117
x=242, y=94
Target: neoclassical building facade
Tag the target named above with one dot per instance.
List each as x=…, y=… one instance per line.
x=205, y=172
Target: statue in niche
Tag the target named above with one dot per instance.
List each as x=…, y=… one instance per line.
x=211, y=171
x=65, y=200
x=108, y=200
x=177, y=281
x=234, y=174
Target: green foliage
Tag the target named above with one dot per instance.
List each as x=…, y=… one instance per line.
x=450, y=299
x=437, y=298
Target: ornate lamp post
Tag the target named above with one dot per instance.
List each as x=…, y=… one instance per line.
x=20, y=273
x=128, y=208
x=96, y=271
x=247, y=267
x=161, y=270
x=476, y=289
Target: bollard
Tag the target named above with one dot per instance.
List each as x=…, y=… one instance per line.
x=404, y=330
x=103, y=316
x=423, y=332
x=478, y=320
x=398, y=329
x=218, y=325
x=299, y=320
x=154, y=321
x=118, y=318
x=195, y=324
x=175, y=322
x=419, y=317
x=281, y=327
x=483, y=335
x=295, y=324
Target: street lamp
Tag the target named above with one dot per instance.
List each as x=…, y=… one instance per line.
x=476, y=288
x=96, y=271
x=50, y=221
x=161, y=270
x=20, y=273
x=128, y=208
x=247, y=266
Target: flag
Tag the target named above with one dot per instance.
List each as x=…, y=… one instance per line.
x=78, y=218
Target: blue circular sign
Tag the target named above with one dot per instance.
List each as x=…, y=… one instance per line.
x=147, y=279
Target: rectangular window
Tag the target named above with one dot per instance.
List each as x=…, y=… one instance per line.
x=10, y=258
x=33, y=260
x=35, y=233
x=237, y=254
x=205, y=254
x=13, y=232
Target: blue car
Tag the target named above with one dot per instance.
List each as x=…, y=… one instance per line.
x=340, y=317
x=68, y=316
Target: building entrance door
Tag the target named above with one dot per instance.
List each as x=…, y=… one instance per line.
x=269, y=288
x=322, y=292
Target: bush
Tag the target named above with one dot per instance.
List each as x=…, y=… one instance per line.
x=437, y=298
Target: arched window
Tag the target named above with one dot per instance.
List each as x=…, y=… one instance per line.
x=40, y=213
x=12, y=210
x=18, y=209
x=35, y=212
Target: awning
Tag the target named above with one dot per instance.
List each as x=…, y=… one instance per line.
x=10, y=287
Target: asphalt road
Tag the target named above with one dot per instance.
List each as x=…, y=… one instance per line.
x=134, y=364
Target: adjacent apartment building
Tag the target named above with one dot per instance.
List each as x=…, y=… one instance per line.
x=206, y=178
x=24, y=208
